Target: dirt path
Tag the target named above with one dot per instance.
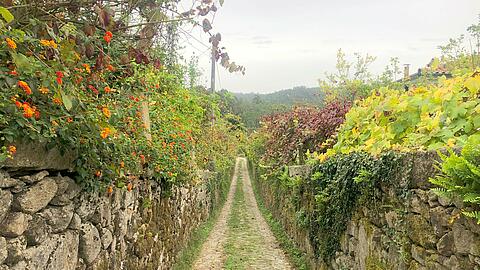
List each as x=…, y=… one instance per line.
x=211, y=256
x=241, y=238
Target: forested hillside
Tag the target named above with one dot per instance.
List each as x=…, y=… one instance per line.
x=252, y=106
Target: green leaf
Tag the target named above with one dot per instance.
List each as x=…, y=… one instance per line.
x=7, y=16
x=67, y=101
x=473, y=84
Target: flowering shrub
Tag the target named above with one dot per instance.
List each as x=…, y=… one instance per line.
x=427, y=117
x=292, y=133
x=87, y=91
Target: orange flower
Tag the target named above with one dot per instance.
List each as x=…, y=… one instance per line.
x=106, y=112
x=13, y=73
x=25, y=87
x=12, y=149
x=11, y=44
x=37, y=113
x=44, y=90
x=28, y=111
x=110, y=67
x=122, y=164
x=57, y=101
x=109, y=190
x=87, y=68
x=107, y=89
x=59, y=77
x=129, y=187
x=108, y=36
x=142, y=157
x=105, y=132
x=98, y=173
x=69, y=120
x=45, y=42
x=48, y=43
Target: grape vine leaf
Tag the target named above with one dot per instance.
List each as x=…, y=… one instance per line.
x=473, y=84
x=7, y=16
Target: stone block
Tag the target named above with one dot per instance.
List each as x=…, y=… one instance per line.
x=420, y=231
x=90, y=243
x=36, y=197
x=14, y=224
x=15, y=248
x=299, y=171
x=58, y=217
x=37, y=231
x=30, y=179
x=3, y=250
x=67, y=190
x=446, y=244
x=35, y=156
x=5, y=202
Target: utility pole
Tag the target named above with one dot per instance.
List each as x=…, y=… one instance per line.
x=212, y=79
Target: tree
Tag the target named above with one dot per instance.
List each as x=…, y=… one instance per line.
x=348, y=84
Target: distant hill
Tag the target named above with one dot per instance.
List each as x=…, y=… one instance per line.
x=251, y=107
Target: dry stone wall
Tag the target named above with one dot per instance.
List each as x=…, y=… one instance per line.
x=410, y=228
x=48, y=222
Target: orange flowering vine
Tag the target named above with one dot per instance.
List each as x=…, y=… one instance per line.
x=28, y=111
x=87, y=68
x=48, y=43
x=44, y=90
x=57, y=101
x=11, y=44
x=12, y=149
x=105, y=132
x=106, y=112
x=25, y=87
x=59, y=77
x=108, y=37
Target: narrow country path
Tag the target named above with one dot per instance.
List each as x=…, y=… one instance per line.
x=241, y=238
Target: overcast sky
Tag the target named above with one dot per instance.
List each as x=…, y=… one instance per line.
x=284, y=44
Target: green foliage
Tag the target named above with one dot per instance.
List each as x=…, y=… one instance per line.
x=427, y=117
x=460, y=175
x=352, y=80
x=87, y=90
x=338, y=190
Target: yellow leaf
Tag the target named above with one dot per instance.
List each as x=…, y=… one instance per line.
x=473, y=84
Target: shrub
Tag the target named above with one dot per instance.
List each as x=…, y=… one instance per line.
x=291, y=134
x=428, y=117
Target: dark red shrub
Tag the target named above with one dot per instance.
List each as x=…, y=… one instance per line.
x=291, y=134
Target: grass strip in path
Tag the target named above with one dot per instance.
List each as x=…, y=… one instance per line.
x=243, y=241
